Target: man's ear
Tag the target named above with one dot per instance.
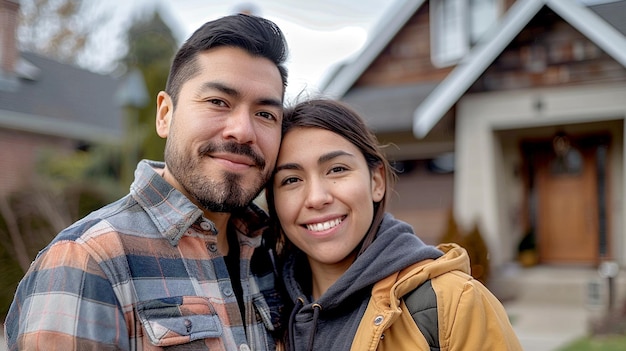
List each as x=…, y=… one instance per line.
x=164, y=112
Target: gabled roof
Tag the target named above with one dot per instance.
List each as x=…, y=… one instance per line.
x=602, y=25
x=446, y=94
x=346, y=74
x=62, y=100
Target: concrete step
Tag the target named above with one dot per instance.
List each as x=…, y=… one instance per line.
x=550, y=306
x=557, y=285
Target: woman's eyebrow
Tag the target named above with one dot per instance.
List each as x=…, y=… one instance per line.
x=289, y=166
x=321, y=160
x=331, y=155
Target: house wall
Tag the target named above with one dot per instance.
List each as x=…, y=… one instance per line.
x=406, y=59
x=481, y=160
x=423, y=199
x=549, y=52
x=18, y=156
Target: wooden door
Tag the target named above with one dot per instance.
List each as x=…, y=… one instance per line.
x=567, y=207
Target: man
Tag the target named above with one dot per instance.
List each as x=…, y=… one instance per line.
x=169, y=265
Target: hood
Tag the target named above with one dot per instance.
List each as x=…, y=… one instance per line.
x=395, y=248
x=402, y=282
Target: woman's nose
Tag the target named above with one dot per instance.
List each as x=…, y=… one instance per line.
x=318, y=194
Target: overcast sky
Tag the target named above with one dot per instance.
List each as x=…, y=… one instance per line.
x=320, y=33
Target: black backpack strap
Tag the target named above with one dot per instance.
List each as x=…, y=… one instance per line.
x=422, y=304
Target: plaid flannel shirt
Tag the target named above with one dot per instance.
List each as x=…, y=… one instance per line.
x=144, y=273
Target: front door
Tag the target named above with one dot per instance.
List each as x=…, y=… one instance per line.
x=567, y=213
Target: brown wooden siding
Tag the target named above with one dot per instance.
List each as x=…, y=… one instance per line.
x=406, y=59
x=549, y=52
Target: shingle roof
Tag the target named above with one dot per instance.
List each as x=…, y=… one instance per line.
x=63, y=100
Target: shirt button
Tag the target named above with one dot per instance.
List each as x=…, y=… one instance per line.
x=227, y=291
x=188, y=325
x=378, y=320
x=244, y=347
x=212, y=247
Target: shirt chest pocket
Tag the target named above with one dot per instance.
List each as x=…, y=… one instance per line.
x=178, y=320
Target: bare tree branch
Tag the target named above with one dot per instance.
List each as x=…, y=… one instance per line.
x=21, y=254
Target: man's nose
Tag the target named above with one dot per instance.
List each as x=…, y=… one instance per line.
x=240, y=126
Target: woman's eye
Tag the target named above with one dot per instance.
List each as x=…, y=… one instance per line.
x=289, y=180
x=337, y=169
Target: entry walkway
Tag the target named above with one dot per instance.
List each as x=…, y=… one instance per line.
x=550, y=307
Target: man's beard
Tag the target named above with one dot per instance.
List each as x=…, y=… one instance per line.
x=223, y=192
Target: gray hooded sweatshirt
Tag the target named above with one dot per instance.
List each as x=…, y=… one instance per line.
x=330, y=323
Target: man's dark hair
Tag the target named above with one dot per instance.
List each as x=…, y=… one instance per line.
x=258, y=36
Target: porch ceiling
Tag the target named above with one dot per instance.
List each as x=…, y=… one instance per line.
x=390, y=108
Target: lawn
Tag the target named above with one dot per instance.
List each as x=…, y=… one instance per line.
x=598, y=343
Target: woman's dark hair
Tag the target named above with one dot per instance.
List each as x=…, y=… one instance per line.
x=258, y=36
x=339, y=118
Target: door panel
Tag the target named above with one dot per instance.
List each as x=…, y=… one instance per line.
x=567, y=209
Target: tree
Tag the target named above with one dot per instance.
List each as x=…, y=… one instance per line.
x=473, y=243
x=151, y=46
x=70, y=185
x=59, y=29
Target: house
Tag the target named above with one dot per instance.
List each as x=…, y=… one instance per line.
x=508, y=113
x=47, y=105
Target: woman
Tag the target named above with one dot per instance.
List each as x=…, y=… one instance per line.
x=358, y=278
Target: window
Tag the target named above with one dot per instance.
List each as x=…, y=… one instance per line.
x=458, y=24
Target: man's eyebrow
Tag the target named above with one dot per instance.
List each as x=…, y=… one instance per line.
x=322, y=159
x=271, y=102
x=268, y=101
x=221, y=87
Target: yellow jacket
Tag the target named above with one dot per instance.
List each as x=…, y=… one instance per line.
x=470, y=317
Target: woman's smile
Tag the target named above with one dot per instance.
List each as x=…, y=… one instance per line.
x=323, y=226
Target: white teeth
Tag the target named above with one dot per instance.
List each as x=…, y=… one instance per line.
x=318, y=227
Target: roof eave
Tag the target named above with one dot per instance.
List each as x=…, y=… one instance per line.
x=64, y=129
x=472, y=66
x=348, y=73
x=593, y=27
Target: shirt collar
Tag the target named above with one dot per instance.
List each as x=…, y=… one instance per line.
x=169, y=209
x=173, y=213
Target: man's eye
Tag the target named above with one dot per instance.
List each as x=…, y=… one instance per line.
x=267, y=115
x=217, y=102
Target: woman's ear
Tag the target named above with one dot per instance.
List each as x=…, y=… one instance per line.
x=378, y=183
x=164, y=112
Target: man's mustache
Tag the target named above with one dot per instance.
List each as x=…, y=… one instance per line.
x=234, y=148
